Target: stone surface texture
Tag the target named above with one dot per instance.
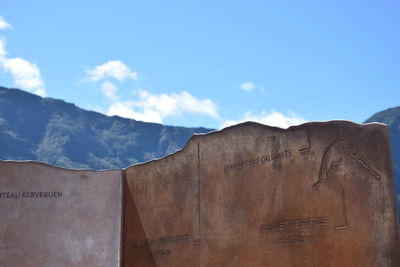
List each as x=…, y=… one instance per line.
x=161, y=211
x=318, y=194
x=51, y=216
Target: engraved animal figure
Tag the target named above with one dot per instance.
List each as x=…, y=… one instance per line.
x=335, y=155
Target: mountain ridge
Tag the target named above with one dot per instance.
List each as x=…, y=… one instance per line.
x=60, y=133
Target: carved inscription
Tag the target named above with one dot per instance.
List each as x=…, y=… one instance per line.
x=161, y=253
x=257, y=160
x=294, y=239
x=308, y=147
x=15, y=195
x=160, y=240
x=294, y=224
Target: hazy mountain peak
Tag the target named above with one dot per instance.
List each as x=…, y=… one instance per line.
x=387, y=116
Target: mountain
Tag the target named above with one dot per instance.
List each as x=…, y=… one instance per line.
x=391, y=117
x=53, y=131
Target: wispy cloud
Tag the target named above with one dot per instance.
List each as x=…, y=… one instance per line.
x=3, y=51
x=4, y=24
x=128, y=109
x=156, y=107
x=144, y=105
x=112, y=69
x=247, y=86
x=250, y=86
x=26, y=75
x=110, y=90
x=272, y=118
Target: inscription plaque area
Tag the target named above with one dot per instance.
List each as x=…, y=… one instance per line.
x=161, y=211
x=318, y=194
x=51, y=216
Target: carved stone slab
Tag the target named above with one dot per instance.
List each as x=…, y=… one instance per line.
x=57, y=217
x=319, y=194
x=161, y=211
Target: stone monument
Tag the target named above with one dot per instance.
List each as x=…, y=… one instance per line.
x=319, y=194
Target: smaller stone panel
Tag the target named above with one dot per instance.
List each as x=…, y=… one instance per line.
x=51, y=216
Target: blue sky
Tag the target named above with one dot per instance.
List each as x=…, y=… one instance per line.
x=207, y=63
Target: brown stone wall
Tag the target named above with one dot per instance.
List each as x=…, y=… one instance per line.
x=320, y=194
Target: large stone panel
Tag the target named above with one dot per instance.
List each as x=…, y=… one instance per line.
x=51, y=216
x=319, y=194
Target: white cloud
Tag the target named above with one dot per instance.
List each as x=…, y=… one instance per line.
x=4, y=24
x=3, y=51
x=154, y=108
x=112, y=69
x=146, y=106
x=247, y=86
x=26, y=75
x=251, y=86
x=110, y=90
x=127, y=110
x=272, y=118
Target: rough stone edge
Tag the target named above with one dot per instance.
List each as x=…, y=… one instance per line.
x=196, y=137
x=51, y=166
